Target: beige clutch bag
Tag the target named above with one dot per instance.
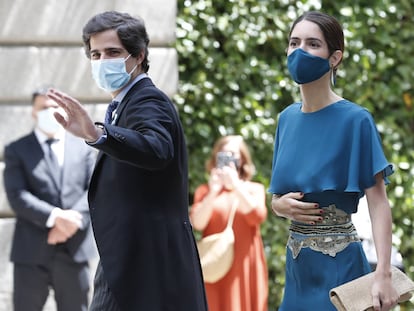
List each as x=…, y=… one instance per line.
x=356, y=294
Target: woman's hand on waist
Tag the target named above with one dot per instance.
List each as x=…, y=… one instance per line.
x=291, y=207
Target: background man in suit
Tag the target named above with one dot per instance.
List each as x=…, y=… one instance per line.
x=138, y=195
x=46, y=179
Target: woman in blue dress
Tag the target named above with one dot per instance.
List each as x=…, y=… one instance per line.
x=327, y=155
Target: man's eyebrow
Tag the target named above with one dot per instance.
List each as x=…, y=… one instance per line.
x=109, y=49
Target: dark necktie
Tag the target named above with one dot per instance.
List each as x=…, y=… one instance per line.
x=109, y=111
x=53, y=161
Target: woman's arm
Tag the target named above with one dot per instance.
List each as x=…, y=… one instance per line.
x=252, y=198
x=204, y=197
x=384, y=294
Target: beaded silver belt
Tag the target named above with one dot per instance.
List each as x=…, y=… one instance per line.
x=330, y=236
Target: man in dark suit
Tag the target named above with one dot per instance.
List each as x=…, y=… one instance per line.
x=46, y=178
x=138, y=195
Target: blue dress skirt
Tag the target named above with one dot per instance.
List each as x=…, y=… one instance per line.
x=311, y=275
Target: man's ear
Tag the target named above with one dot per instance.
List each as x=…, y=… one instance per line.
x=140, y=58
x=34, y=114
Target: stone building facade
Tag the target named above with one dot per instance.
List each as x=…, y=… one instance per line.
x=40, y=44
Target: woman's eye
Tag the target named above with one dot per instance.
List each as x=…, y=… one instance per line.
x=314, y=44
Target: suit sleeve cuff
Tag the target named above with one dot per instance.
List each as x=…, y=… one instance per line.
x=101, y=139
x=52, y=217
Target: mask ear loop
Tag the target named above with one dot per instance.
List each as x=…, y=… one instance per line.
x=133, y=69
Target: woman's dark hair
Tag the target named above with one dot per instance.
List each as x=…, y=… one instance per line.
x=131, y=32
x=330, y=27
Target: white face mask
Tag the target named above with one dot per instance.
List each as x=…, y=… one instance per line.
x=110, y=74
x=46, y=121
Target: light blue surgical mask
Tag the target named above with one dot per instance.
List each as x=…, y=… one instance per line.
x=110, y=74
x=305, y=67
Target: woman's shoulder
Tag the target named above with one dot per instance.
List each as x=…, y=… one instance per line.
x=290, y=111
x=351, y=107
x=341, y=106
x=202, y=188
x=292, y=108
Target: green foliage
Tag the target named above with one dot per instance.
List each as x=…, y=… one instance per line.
x=233, y=80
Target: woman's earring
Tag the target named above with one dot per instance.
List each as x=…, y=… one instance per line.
x=333, y=76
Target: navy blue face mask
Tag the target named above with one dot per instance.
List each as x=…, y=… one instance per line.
x=305, y=67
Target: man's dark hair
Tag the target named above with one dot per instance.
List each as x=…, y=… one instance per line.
x=41, y=91
x=131, y=32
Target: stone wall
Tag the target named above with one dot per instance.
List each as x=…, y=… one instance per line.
x=40, y=44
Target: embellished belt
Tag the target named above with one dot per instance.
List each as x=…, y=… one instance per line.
x=330, y=236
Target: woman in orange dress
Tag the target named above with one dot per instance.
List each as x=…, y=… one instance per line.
x=245, y=286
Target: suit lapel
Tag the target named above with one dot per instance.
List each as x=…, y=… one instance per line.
x=136, y=87
x=38, y=156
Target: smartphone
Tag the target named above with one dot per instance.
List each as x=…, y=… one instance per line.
x=225, y=158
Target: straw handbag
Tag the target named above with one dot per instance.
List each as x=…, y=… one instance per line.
x=217, y=251
x=356, y=295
